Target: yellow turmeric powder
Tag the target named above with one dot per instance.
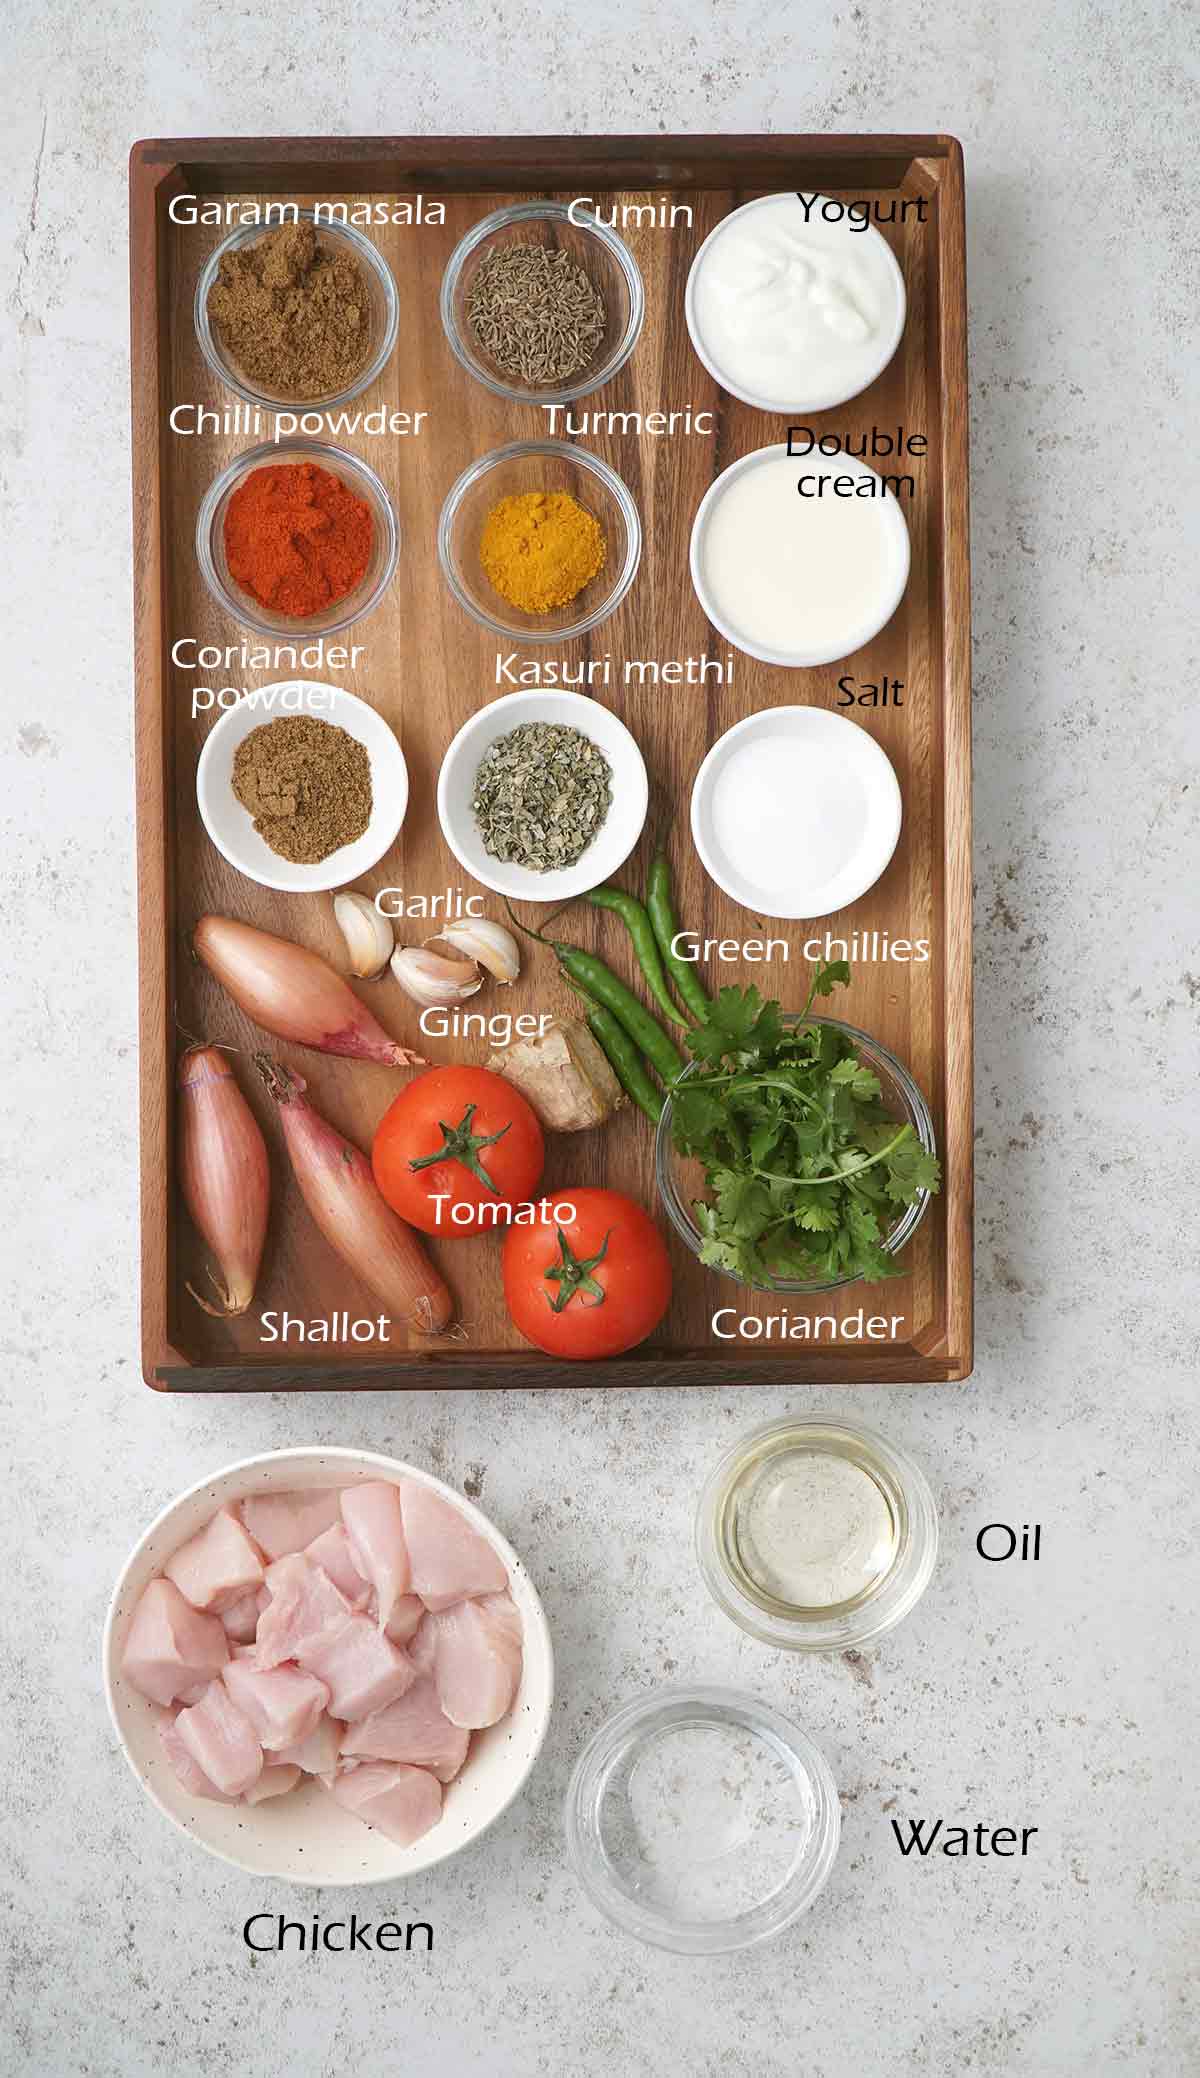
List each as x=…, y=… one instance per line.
x=540, y=548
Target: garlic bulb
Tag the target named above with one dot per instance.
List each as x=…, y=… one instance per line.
x=432, y=981
x=369, y=936
x=490, y=944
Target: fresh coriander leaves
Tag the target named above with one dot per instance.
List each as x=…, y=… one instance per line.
x=740, y=1022
x=805, y=1167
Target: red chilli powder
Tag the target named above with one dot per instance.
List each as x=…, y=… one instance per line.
x=296, y=538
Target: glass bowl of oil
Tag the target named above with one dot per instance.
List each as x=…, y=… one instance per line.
x=816, y=1535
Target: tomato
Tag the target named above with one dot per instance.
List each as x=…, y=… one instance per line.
x=466, y=1137
x=590, y=1289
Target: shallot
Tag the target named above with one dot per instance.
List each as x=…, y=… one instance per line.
x=294, y=993
x=224, y=1175
x=340, y=1191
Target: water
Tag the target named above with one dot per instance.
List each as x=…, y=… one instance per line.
x=704, y=1820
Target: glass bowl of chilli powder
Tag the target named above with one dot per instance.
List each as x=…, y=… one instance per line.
x=542, y=303
x=303, y=313
x=297, y=538
x=539, y=541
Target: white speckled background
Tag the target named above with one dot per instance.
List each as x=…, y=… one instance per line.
x=1064, y=1695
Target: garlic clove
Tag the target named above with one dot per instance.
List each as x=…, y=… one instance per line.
x=369, y=936
x=432, y=981
x=489, y=943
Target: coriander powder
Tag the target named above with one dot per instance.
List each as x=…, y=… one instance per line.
x=307, y=784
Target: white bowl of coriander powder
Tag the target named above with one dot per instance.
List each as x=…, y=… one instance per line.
x=542, y=796
x=308, y=807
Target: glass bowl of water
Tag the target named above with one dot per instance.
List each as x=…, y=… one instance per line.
x=702, y=1820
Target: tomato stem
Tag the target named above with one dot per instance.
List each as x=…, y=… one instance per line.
x=573, y=1273
x=462, y=1145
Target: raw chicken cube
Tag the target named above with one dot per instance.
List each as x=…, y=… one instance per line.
x=217, y=1566
x=281, y=1523
x=304, y=1608
x=449, y=1559
x=275, y=1781
x=361, y=1667
x=221, y=1741
x=331, y=1551
x=477, y=1659
x=172, y=1651
x=401, y=1802
x=422, y=1646
x=404, y=1620
x=414, y=1729
x=241, y=1617
x=191, y=1777
x=371, y=1513
x=283, y=1704
x=318, y=1754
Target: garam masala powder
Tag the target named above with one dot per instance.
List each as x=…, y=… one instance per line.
x=294, y=315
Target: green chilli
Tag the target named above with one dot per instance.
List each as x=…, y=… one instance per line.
x=624, y=1060
x=599, y=981
x=645, y=944
x=662, y=922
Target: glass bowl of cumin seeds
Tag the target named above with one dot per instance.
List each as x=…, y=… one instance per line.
x=542, y=303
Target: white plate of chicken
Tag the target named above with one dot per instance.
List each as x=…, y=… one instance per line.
x=327, y=1666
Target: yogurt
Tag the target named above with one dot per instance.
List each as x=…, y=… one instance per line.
x=792, y=309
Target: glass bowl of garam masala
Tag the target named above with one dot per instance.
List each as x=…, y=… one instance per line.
x=542, y=303
x=302, y=313
x=539, y=540
x=297, y=538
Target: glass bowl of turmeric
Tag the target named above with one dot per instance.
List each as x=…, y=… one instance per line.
x=539, y=540
x=297, y=537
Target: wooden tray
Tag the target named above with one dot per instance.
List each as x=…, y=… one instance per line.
x=427, y=667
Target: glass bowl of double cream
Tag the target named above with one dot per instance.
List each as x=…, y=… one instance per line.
x=816, y=1535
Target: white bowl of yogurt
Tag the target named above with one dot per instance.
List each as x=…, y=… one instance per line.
x=799, y=561
x=795, y=303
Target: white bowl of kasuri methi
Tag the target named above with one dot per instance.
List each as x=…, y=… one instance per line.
x=559, y=732
x=179, y=1711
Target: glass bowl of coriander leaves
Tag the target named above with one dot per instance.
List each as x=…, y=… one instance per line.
x=795, y=1153
x=542, y=303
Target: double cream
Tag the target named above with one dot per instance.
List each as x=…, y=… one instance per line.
x=799, y=562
